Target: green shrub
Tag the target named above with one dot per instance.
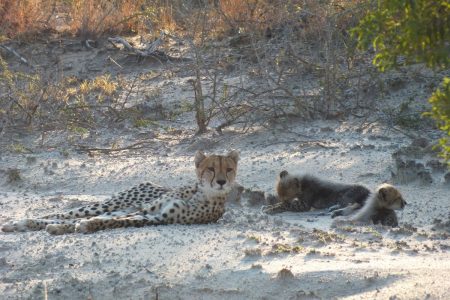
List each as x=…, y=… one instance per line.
x=404, y=32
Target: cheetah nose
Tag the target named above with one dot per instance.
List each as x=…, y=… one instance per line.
x=221, y=182
x=404, y=203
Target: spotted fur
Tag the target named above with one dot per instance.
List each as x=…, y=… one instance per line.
x=149, y=204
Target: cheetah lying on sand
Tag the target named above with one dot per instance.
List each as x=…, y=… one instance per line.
x=149, y=204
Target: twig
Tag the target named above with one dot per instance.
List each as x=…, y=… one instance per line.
x=113, y=61
x=45, y=291
x=14, y=52
x=130, y=90
x=135, y=146
x=150, y=50
x=410, y=135
x=317, y=143
x=88, y=43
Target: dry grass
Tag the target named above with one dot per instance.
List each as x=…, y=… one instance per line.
x=85, y=18
x=273, y=41
x=92, y=18
x=18, y=17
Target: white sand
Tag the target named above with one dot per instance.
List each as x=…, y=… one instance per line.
x=240, y=257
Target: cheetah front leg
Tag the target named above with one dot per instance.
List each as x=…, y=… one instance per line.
x=69, y=226
x=348, y=210
x=28, y=225
x=294, y=205
x=275, y=208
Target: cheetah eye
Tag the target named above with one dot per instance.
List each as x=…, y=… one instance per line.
x=211, y=169
x=229, y=170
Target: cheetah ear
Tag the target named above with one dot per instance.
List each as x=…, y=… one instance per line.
x=283, y=174
x=234, y=155
x=382, y=192
x=199, y=157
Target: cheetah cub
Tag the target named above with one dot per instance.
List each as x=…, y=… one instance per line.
x=300, y=193
x=379, y=208
x=149, y=204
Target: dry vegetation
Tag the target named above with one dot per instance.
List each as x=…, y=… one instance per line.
x=293, y=58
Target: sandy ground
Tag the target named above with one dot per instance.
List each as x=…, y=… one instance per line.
x=247, y=255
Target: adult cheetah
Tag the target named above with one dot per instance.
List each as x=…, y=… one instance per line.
x=149, y=204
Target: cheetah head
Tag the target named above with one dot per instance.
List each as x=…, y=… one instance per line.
x=288, y=187
x=390, y=197
x=216, y=173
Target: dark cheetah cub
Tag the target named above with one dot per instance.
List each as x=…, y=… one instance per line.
x=149, y=204
x=300, y=193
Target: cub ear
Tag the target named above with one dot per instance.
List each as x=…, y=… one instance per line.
x=382, y=192
x=283, y=174
x=199, y=157
x=234, y=155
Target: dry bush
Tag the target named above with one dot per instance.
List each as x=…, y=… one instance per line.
x=19, y=17
x=38, y=102
x=85, y=18
x=246, y=16
x=277, y=45
x=92, y=18
x=273, y=46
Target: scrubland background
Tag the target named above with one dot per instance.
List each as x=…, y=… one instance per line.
x=82, y=116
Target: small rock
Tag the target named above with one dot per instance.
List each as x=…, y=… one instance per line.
x=407, y=171
x=3, y=262
x=31, y=160
x=254, y=198
x=326, y=129
x=447, y=178
x=13, y=175
x=420, y=142
x=285, y=274
x=436, y=165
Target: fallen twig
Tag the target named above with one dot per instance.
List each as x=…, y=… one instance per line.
x=135, y=146
x=114, y=62
x=150, y=50
x=302, y=143
x=15, y=53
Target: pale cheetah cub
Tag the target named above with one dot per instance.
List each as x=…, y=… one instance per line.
x=379, y=208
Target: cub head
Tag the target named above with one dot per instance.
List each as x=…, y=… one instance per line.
x=216, y=173
x=288, y=187
x=390, y=197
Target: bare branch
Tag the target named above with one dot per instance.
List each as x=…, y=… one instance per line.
x=15, y=53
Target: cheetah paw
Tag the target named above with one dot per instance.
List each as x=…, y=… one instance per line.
x=58, y=229
x=341, y=221
x=86, y=226
x=22, y=225
x=9, y=227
